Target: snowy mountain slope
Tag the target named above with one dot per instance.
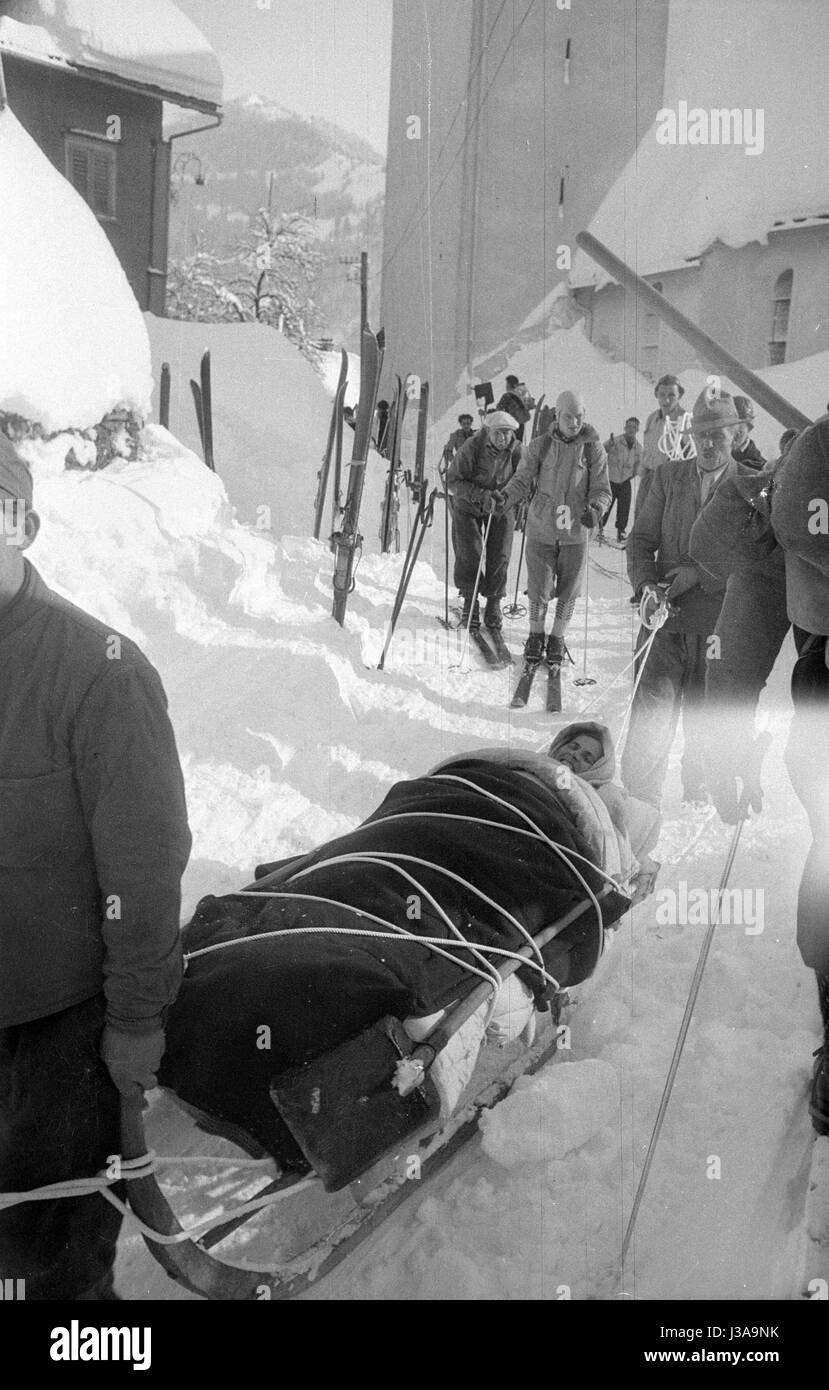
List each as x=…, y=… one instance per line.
x=263, y=154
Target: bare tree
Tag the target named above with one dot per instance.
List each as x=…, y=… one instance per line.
x=267, y=277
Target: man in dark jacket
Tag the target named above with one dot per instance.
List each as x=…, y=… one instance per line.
x=93, y=843
x=800, y=518
x=673, y=677
x=518, y=404
x=458, y=437
x=480, y=469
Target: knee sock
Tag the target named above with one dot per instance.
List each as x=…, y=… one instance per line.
x=564, y=612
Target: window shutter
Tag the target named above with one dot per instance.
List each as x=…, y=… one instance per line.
x=80, y=171
x=101, y=200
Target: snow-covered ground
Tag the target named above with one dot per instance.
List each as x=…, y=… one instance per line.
x=288, y=735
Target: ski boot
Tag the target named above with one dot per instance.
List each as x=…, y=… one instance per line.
x=534, y=648
x=556, y=651
x=470, y=615
x=492, y=615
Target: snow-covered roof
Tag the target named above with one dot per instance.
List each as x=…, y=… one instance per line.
x=673, y=201
x=151, y=45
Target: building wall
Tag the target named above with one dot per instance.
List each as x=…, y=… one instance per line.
x=49, y=103
x=473, y=217
x=731, y=295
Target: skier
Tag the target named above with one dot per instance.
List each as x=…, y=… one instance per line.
x=624, y=463
x=673, y=677
x=744, y=450
x=93, y=843
x=568, y=468
x=458, y=437
x=669, y=392
x=799, y=517
x=480, y=469
x=517, y=403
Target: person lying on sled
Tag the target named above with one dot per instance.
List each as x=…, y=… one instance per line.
x=630, y=827
x=588, y=750
x=400, y=917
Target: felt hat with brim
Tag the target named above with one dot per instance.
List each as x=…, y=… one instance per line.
x=711, y=412
x=15, y=478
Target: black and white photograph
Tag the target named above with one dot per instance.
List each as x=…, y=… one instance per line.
x=414, y=664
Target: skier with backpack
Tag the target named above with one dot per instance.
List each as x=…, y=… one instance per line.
x=567, y=465
x=518, y=403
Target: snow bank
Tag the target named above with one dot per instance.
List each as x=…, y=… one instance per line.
x=550, y=1115
x=271, y=412
x=73, y=344
x=672, y=201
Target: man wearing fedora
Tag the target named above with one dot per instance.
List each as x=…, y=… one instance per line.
x=93, y=844
x=658, y=554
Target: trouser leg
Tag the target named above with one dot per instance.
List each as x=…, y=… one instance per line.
x=653, y=719
x=467, y=538
x=694, y=716
x=621, y=492
x=570, y=568
x=806, y=765
x=498, y=551
x=59, y=1119
x=541, y=578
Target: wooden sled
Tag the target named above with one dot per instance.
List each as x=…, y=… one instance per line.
x=384, y=1183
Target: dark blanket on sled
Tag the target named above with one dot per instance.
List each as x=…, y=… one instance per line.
x=248, y=1012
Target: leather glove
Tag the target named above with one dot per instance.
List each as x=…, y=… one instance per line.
x=683, y=578
x=132, y=1059
x=588, y=518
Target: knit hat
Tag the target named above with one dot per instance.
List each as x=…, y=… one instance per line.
x=500, y=420
x=15, y=478
x=711, y=411
x=669, y=381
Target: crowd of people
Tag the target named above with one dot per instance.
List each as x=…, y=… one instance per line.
x=723, y=544
x=94, y=837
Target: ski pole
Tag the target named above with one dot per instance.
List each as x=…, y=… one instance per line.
x=442, y=474
x=763, y=741
x=516, y=609
x=423, y=520
x=474, y=598
x=584, y=679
